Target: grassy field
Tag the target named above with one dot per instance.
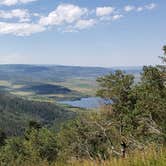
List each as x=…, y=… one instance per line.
x=145, y=158
x=83, y=85
x=80, y=80
x=79, y=88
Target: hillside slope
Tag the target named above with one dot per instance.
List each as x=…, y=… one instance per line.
x=16, y=113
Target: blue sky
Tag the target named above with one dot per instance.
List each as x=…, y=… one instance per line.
x=82, y=32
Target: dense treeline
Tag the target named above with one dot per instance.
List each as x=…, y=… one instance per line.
x=135, y=120
x=16, y=112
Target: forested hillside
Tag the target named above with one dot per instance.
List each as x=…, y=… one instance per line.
x=15, y=113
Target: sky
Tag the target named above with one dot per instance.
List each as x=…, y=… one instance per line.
x=102, y=33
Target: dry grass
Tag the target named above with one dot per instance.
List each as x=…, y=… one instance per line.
x=148, y=157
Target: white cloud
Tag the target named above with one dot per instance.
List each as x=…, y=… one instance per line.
x=80, y=25
x=111, y=18
x=64, y=13
x=36, y=14
x=104, y=11
x=139, y=9
x=14, y=2
x=129, y=8
x=117, y=17
x=151, y=6
x=22, y=14
x=65, y=17
x=84, y=24
x=20, y=29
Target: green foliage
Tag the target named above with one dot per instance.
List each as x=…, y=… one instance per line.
x=140, y=109
x=164, y=49
x=17, y=112
x=36, y=146
x=2, y=137
x=163, y=67
x=115, y=86
x=42, y=143
x=89, y=136
x=34, y=125
x=152, y=79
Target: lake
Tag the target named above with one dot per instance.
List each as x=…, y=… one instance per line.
x=87, y=103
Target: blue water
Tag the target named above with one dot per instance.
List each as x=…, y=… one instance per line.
x=87, y=103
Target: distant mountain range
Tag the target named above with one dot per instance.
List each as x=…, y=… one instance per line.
x=56, y=73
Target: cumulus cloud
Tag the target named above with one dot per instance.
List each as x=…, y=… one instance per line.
x=129, y=8
x=151, y=6
x=80, y=25
x=14, y=2
x=139, y=9
x=84, y=24
x=104, y=11
x=117, y=17
x=65, y=17
x=64, y=13
x=20, y=29
x=22, y=14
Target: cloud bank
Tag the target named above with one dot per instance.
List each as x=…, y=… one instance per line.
x=67, y=17
x=15, y=2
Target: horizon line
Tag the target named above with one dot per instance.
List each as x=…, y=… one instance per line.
x=91, y=66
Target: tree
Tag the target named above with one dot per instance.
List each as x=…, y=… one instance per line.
x=162, y=68
x=164, y=49
x=152, y=78
x=34, y=125
x=89, y=136
x=115, y=86
x=2, y=138
x=139, y=109
x=13, y=151
x=42, y=144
